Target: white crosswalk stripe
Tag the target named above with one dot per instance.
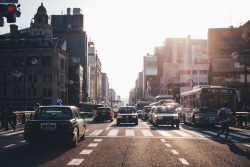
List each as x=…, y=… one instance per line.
x=130, y=133
x=164, y=133
x=113, y=133
x=13, y=133
x=147, y=133
x=96, y=132
x=182, y=133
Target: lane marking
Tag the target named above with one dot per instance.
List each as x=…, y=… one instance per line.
x=247, y=145
x=147, y=133
x=96, y=132
x=13, y=133
x=86, y=151
x=130, y=133
x=3, y=132
x=110, y=125
x=174, y=152
x=199, y=134
x=214, y=133
x=163, y=140
x=183, y=161
x=182, y=133
x=9, y=146
x=75, y=162
x=240, y=136
x=145, y=124
x=23, y=141
x=168, y=145
x=243, y=133
x=234, y=140
x=92, y=144
x=113, y=132
x=98, y=140
x=164, y=133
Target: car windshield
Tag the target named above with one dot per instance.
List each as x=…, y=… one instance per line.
x=147, y=110
x=127, y=110
x=53, y=113
x=166, y=109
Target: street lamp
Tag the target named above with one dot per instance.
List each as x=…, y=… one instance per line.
x=19, y=74
x=235, y=56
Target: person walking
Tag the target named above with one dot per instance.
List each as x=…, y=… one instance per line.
x=9, y=117
x=224, y=119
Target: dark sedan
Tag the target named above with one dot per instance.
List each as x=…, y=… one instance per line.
x=127, y=115
x=104, y=113
x=55, y=123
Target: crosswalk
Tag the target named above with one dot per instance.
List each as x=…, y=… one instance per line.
x=181, y=133
x=140, y=132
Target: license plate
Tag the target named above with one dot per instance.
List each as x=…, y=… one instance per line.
x=48, y=127
x=126, y=116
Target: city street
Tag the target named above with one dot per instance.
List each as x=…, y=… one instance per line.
x=107, y=144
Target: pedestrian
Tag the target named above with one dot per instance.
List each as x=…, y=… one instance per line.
x=224, y=119
x=9, y=117
x=2, y=115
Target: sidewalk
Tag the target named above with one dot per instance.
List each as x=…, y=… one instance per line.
x=18, y=126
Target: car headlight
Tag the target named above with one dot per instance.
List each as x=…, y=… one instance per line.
x=176, y=117
x=134, y=116
x=119, y=116
x=159, y=117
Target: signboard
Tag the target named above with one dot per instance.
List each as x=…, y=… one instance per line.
x=8, y=1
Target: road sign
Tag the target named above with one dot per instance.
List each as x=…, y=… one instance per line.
x=8, y=1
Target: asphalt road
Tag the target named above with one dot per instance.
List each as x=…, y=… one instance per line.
x=107, y=144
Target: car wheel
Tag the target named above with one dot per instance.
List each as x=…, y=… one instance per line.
x=136, y=123
x=111, y=120
x=118, y=123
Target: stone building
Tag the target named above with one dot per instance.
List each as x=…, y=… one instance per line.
x=33, y=65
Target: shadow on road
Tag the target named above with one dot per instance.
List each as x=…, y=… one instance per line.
x=235, y=149
x=27, y=156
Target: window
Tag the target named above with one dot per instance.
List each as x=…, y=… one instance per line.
x=46, y=61
x=194, y=71
x=203, y=72
x=47, y=78
x=47, y=92
x=31, y=92
x=62, y=64
x=32, y=78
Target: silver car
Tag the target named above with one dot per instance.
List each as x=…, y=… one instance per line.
x=165, y=115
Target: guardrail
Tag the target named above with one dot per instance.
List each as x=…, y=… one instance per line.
x=23, y=116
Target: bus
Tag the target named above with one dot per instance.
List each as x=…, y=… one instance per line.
x=200, y=105
x=87, y=109
x=140, y=105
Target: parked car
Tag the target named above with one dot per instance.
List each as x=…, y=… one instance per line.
x=145, y=112
x=55, y=123
x=127, y=114
x=104, y=113
x=165, y=115
x=139, y=112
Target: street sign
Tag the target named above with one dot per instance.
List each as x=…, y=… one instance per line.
x=8, y=1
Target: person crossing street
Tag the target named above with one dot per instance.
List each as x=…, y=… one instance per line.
x=224, y=119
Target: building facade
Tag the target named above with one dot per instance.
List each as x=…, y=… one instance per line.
x=33, y=65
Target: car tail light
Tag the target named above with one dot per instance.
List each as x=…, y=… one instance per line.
x=111, y=115
x=96, y=115
x=70, y=128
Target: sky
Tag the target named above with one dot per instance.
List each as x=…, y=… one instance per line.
x=126, y=30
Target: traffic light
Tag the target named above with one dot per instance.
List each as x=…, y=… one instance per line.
x=10, y=11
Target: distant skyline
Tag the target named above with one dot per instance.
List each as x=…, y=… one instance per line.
x=126, y=30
